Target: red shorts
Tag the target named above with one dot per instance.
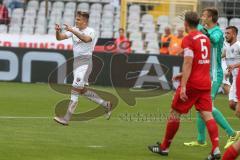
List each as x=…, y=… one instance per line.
x=200, y=98
x=238, y=85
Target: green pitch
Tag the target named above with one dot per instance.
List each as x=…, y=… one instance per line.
x=27, y=131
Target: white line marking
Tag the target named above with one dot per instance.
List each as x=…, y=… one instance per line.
x=95, y=146
x=16, y=117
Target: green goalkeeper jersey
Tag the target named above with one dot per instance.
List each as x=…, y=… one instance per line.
x=217, y=39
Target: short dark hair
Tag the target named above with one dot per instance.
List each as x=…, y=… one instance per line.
x=213, y=12
x=192, y=19
x=121, y=29
x=83, y=14
x=234, y=28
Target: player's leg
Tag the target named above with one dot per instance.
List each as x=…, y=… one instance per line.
x=83, y=73
x=201, y=136
x=233, y=135
x=232, y=95
x=201, y=126
x=232, y=152
x=220, y=119
x=204, y=106
x=213, y=134
x=171, y=130
x=178, y=107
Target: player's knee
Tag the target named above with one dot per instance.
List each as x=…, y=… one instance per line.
x=74, y=97
x=174, y=115
x=206, y=115
x=232, y=105
x=78, y=86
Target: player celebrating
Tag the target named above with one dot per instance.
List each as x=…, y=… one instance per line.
x=233, y=151
x=196, y=68
x=209, y=20
x=84, y=40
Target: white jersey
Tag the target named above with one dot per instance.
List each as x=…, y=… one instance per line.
x=81, y=48
x=233, y=55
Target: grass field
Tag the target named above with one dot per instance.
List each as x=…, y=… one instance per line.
x=27, y=131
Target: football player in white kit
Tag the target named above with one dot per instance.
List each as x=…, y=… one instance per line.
x=84, y=40
x=226, y=80
x=232, y=51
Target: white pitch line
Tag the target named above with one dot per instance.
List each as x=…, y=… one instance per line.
x=132, y=118
x=15, y=117
x=95, y=146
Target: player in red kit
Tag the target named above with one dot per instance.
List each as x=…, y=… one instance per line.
x=234, y=150
x=194, y=89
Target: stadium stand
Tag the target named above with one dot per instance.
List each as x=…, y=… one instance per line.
x=142, y=25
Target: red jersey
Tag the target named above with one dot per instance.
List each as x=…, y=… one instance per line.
x=238, y=85
x=197, y=45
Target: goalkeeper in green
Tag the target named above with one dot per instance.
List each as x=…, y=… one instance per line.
x=210, y=28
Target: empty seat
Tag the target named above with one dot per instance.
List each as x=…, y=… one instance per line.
x=162, y=19
x=40, y=30
x=147, y=18
x=133, y=27
x=223, y=22
x=43, y=4
x=27, y=30
x=134, y=8
x=148, y=28
x=33, y=4
x=14, y=29
x=30, y=13
x=153, y=47
x=3, y=28
x=70, y=5
x=135, y=36
x=58, y=5
x=96, y=7
x=108, y=7
x=152, y=36
x=18, y=12
x=138, y=47
x=84, y=7
x=29, y=22
x=106, y=34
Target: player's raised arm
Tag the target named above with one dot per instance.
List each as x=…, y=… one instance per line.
x=82, y=37
x=60, y=36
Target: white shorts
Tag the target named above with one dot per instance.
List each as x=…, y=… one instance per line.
x=233, y=91
x=83, y=68
x=224, y=67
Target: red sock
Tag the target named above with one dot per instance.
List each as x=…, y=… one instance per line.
x=171, y=130
x=230, y=154
x=213, y=133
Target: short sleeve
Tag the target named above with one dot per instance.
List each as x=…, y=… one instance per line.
x=187, y=46
x=92, y=34
x=187, y=43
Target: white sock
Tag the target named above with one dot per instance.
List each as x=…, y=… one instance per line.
x=95, y=98
x=71, y=107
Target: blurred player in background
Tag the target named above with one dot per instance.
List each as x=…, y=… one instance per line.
x=84, y=41
x=196, y=68
x=232, y=54
x=226, y=76
x=234, y=150
x=211, y=29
